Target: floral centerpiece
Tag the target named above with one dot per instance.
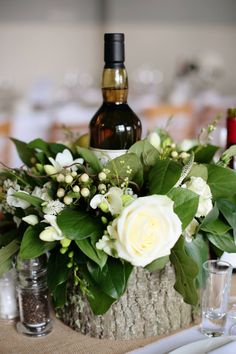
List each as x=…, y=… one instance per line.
x=159, y=203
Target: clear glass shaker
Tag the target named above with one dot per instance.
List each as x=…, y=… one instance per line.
x=8, y=302
x=33, y=296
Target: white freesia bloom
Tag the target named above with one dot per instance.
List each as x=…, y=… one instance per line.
x=53, y=207
x=31, y=219
x=42, y=192
x=146, y=229
x=65, y=159
x=112, y=200
x=154, y=139
x=200, y=187
x=190, y=230
x=14, y=201
x=53, y=232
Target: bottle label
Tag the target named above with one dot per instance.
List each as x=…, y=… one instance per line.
x=106, y=155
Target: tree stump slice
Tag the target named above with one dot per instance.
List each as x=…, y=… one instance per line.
x=150, y=307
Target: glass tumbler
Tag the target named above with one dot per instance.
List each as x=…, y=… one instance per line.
x=33, y=297
x=215, y=296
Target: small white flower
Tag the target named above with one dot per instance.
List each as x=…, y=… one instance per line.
x=14, y=201
x=190, y=230
x=84, y=178
x=65, y=159
x=76, y=188
x=68, y=179
x=42, y=193
x=60, y=192
x=53, y=207
x=53, y=232
x=102, y=176
x=31, y=219
x=67, y=200
x=200, y=187
x=154, y=139
x=85, y=192
x=112, y=199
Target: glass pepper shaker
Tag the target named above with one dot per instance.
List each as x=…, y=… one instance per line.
x=33, y=296
x=8, y=302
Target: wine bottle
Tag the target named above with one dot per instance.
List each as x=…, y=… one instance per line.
x=231, y=140
x=231, y=132
x=114, y=127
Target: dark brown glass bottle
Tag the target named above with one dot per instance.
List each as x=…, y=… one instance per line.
x=231, y=132
x=114, y=127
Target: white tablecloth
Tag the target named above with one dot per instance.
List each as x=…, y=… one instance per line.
x=169, y=344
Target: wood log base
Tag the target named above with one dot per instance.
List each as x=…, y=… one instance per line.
x=150, y=307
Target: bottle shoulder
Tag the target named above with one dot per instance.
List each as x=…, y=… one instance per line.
x=117, y=112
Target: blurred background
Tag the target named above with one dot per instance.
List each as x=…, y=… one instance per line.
x=180, y=58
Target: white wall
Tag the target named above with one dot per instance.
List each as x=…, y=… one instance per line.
x=51, y=37
x=39, y=39
x=163, y=32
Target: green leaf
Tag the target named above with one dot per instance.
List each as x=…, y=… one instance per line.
x=222, y=182
x=99, y=301
x=146, y=152
x=216, y=227
x=31, y=245
x=157, y=264
x=198, y=250
x=8, y=251
x=112, y=278
x=35, y=201
x=186, y=272
x=185, y=204
x=90, y=251
x=223, y=242
x=90, y=157
x=199, y=170
x=58, y=271
x=228, y=210
x=39, y=144
x=24, y=151
x=78, y=225
x=59, y=295
x=46, y=147
x=55, y=148
x=119, y=166
x=163, y=176
x=5, y=266
x=205, y=153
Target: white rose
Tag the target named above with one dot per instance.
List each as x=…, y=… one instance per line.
x=199, y=186
x=146, y=229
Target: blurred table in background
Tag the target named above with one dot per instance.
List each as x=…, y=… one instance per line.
x=183, y=121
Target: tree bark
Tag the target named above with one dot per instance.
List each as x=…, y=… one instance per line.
x=150, y=307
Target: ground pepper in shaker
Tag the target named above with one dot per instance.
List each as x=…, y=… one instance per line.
x=33, y=296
